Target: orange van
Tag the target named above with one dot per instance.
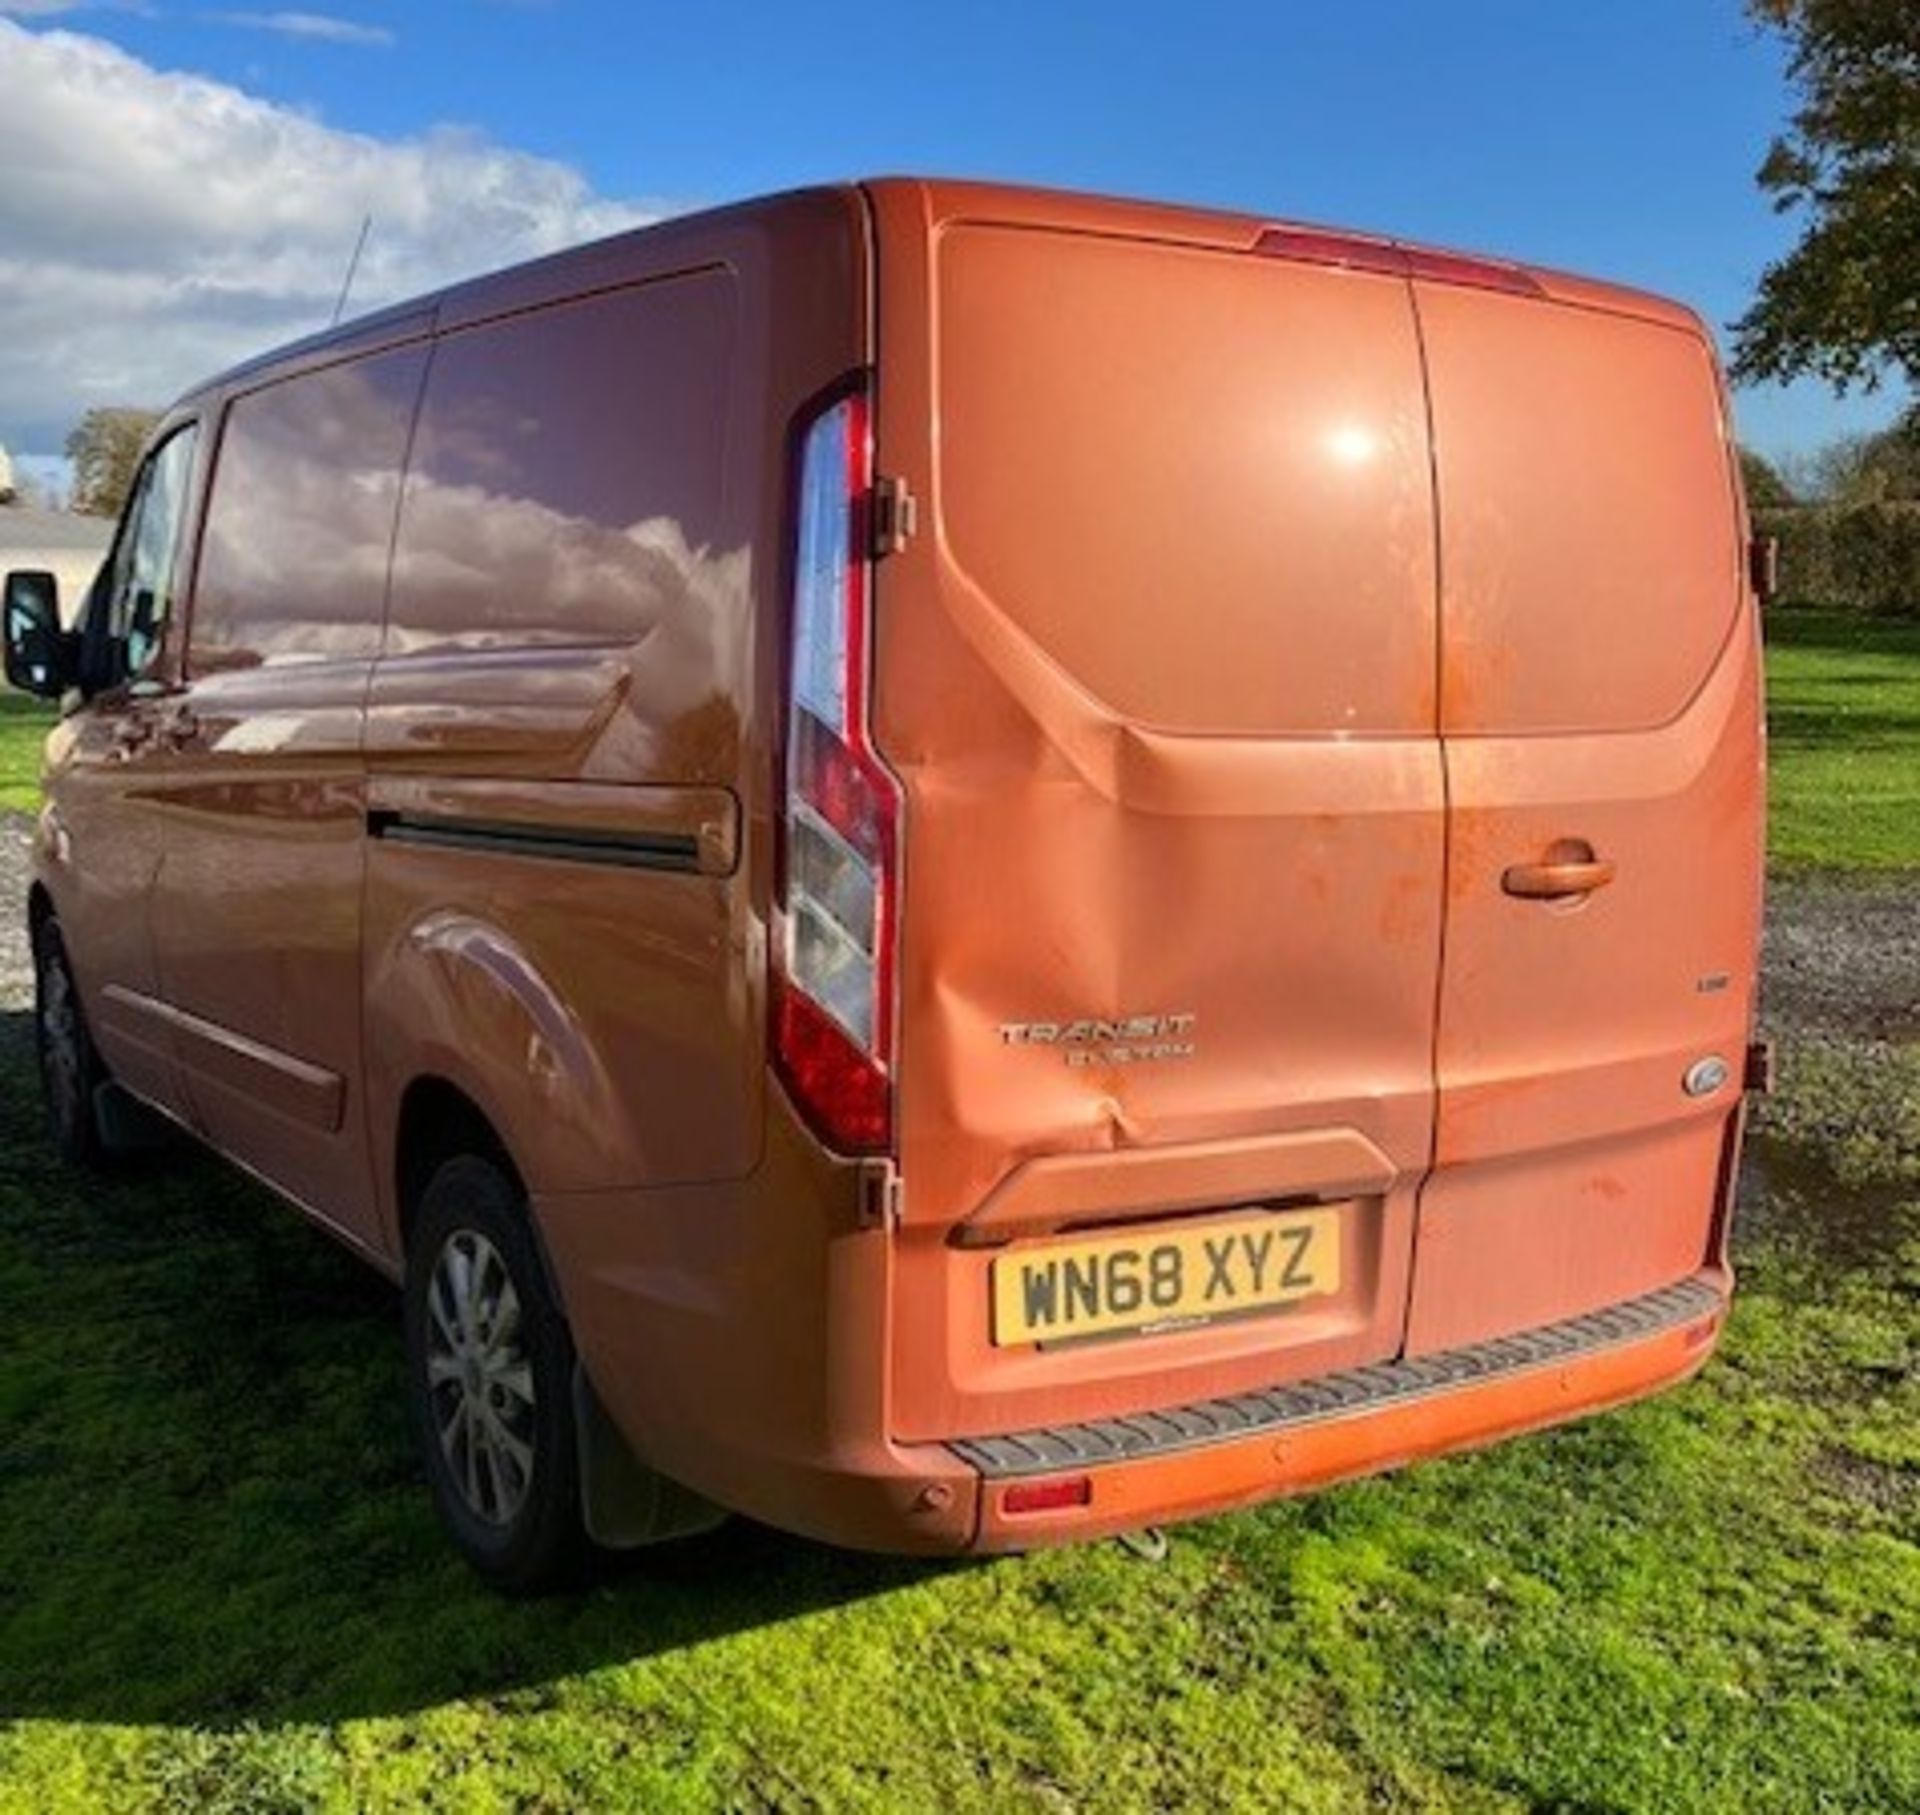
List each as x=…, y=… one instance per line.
x=954, y=866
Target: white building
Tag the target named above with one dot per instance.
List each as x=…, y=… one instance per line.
x=68, y=545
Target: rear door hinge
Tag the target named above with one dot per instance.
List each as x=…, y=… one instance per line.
x=879, y=1195
x=895, y=516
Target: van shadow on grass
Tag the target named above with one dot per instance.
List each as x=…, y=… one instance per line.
x=209, y=1509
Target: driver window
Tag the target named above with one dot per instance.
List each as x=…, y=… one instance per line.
x=146, y=561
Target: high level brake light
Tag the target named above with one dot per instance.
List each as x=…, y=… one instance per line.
x=833, y=947
x=1356, y=252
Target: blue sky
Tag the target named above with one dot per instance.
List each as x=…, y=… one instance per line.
x=1619, y=139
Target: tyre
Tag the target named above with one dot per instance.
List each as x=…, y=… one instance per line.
x=489, y=1381
x=70, y=1068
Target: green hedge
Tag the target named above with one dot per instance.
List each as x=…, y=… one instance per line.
x=1848, y=557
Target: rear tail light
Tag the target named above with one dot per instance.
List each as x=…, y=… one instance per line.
x=833, y=950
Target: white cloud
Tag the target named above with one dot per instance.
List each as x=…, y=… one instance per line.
x=156, y=226
x=322, y=27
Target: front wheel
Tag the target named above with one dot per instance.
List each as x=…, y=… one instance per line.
x=70, y=1068
x=489, y=1378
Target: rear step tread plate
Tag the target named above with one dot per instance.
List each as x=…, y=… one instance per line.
x=1350, y=1393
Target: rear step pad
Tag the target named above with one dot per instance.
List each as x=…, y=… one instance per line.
x=1357, y=1390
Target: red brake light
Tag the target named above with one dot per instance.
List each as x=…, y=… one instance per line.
x=833, y=947
x=1308, y=245
x=1477, y=273
x=1355, y=252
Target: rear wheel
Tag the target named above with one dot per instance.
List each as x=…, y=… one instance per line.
x=489, y=1375
x=70, y=1068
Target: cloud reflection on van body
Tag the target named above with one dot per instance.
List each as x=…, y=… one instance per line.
x=564, y=492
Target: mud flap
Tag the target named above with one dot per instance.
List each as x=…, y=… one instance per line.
x=126, y=1125
x=624, y=1503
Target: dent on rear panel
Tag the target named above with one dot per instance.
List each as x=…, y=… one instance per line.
x=1160, y=681
x=1111, y=933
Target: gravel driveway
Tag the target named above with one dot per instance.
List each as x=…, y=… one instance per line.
x=16, y=962
x=1843, y=956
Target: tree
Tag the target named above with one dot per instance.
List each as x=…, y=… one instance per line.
x=1844, y=305
x=105, y=450
x=1765, y=484
x=1869, y=469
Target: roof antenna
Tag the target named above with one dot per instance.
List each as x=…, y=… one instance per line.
x=353, y=265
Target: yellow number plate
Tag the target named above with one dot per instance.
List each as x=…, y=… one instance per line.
x=1133, y=1282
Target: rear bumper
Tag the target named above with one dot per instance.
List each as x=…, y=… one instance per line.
x=769, y=1397
x=1206, y=1458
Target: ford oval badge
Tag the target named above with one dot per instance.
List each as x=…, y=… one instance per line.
x=1705, y=1076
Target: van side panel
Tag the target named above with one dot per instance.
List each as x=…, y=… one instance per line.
x=570, y=613
x=738, y=1327
x=1601, y=697
x=583, y=642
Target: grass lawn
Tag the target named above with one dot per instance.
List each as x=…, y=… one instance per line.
x=220, y=1587
x=24, y=723
x=1843, y=711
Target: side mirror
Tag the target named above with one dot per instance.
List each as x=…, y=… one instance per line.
x=39, y=652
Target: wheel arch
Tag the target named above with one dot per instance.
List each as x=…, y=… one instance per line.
x=439, y=1120
x=456, y=1002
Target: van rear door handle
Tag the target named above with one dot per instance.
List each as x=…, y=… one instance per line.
x=1557, y=878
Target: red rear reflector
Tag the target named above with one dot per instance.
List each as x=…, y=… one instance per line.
x=1351, y=252
x=1701, y=1333
x=1047, y=1496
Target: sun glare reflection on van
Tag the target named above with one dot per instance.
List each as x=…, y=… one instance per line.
x=1352, y=445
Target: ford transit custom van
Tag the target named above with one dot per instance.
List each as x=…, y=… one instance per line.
x=953, y=866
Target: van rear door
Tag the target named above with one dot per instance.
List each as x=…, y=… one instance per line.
x=1157, y=672
x=1601, y=713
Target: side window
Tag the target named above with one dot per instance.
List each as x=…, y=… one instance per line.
x=146, y=561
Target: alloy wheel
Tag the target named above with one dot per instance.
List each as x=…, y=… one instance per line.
x=479, y=1378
